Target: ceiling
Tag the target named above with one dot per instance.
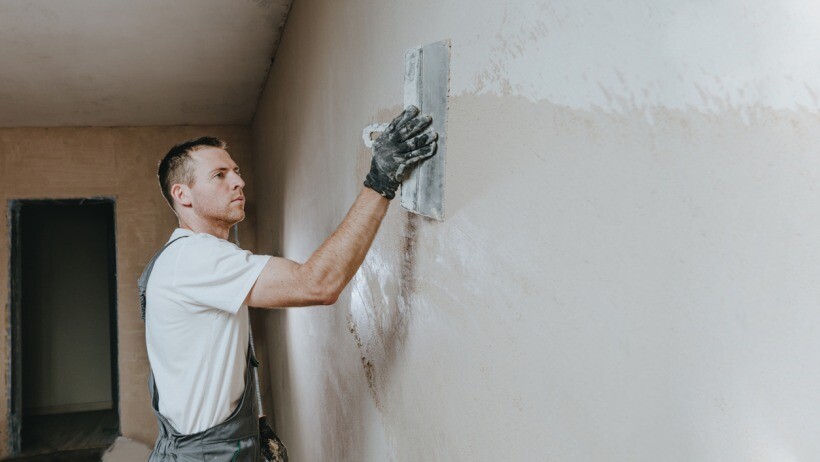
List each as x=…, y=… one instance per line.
x=127, y=62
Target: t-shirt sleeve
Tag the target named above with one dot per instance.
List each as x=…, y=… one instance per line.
x=213, y=273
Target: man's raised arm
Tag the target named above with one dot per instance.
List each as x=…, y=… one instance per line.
x=319, y=281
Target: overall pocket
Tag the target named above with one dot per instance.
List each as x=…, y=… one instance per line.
x=237, y=450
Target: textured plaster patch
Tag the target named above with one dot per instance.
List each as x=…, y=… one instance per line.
x=627, y=55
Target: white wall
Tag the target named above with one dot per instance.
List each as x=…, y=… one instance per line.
x=628, y=269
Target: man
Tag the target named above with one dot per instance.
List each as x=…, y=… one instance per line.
x=197, y=289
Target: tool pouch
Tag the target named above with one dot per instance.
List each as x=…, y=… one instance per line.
x=272, y=447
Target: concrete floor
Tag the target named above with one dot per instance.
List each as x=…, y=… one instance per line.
x=69, y=432
x=123, y=450
x=77, y=437
x=126, y=450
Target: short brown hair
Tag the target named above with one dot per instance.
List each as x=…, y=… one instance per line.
x=175, y=167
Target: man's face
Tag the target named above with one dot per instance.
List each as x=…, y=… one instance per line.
x=216, y=194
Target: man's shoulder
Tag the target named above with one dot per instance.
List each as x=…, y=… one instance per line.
x=202, y=251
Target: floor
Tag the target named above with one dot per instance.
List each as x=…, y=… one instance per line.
x=74, y=437
x=127, y=450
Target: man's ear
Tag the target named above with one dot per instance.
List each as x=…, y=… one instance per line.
x=181, y=194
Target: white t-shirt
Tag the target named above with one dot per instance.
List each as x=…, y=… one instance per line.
x=196, y=327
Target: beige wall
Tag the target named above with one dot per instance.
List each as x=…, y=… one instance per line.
x=119, y=163
x=628, y=268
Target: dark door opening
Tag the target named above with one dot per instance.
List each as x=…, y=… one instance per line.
x=64, y=393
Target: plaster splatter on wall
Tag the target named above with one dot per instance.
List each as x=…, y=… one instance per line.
x=382, y=298
x=367, y=365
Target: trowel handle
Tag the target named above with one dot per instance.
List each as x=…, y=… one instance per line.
x=367, y=133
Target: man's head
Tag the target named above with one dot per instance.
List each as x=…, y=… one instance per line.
x=201, y=182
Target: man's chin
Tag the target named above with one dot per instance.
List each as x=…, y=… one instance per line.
x=231, y=219
x=238, y=219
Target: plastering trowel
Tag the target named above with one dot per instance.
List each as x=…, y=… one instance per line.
x=426, y=84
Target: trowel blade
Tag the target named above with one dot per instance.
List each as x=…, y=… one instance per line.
x=426, y=85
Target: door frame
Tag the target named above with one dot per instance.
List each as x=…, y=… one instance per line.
x=14, y=307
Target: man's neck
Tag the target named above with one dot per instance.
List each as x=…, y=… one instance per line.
x=219, y=230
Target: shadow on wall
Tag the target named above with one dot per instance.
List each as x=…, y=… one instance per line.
x=276, y=398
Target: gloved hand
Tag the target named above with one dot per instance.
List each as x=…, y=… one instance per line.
x=408, y=139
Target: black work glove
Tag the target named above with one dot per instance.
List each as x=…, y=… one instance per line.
x=272, y=448
x=408, y=139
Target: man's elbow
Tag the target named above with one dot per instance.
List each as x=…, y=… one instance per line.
x=321, y=288
x=322, y=294
x=328, y=296
x=330, y=300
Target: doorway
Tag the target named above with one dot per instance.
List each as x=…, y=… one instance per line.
x=64, y=390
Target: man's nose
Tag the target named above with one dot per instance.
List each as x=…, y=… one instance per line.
x=237, y=182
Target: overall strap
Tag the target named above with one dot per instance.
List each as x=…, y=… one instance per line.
x=142, y=282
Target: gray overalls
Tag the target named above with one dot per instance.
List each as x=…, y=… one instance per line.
x=233, y=440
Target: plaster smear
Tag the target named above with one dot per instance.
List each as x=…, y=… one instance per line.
x=381, y=294
x=620, y=55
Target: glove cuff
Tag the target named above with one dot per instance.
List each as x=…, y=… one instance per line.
x=383, y=186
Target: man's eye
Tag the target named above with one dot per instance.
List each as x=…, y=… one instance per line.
x=218, y=174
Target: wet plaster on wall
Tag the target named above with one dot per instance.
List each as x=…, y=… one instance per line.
x=373, y=309
x=385, y=316
x=119, y=163
x=382, y=305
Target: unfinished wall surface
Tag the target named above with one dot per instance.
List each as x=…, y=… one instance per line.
x=629, y=266
x=111, y=162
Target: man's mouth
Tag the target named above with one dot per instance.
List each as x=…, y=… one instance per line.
x=242, y=199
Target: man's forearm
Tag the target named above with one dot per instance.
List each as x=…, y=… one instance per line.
x=335, y=262
x=408, y=139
